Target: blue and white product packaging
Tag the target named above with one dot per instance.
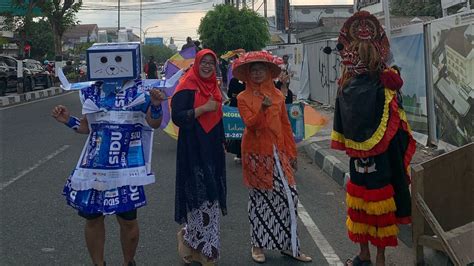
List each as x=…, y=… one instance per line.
x=115, y=162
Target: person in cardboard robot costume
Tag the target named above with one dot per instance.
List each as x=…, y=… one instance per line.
x=118, y=115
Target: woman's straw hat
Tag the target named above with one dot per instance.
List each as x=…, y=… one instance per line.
x=241, y=64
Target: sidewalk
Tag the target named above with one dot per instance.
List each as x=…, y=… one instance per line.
x=15, y=98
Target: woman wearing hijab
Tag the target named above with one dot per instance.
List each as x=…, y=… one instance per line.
x=268, y=159
x=370, y=125
x=200, y=166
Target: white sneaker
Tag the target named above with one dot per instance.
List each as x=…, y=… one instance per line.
x=237, y=160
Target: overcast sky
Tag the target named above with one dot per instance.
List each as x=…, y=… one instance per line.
x=177, y=19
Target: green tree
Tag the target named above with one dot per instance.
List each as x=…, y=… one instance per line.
x=61, y=15
x=160, y=52
x=23, y=24
x=416, y=8
x=80, y=49
x=227, y=28
x=41, y=40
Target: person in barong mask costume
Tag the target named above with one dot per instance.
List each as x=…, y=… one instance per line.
x=370, y=125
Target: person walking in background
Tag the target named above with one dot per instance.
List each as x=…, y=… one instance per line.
x=198, y=45
x=268, y=159
x=235, y=87
x=283, y=81
x=68, y=68
x=371, y=126
x=283, y=84
x=151, y=69
x=189, y=43
x=200, y=165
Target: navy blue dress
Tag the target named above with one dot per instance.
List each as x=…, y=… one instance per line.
x=200, y=163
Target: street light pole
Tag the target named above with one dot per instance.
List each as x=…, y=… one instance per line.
x=144, y=32
x=141, y=40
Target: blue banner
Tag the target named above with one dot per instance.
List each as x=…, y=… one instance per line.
x=154, y=41
x=234, y=126
x=296, y=117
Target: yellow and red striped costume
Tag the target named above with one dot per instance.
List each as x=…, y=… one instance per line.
x=371, y=126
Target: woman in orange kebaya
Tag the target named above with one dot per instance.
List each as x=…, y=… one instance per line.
x=268, y=158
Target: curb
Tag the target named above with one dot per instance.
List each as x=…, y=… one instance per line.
x=328, y=163
x=29, y=96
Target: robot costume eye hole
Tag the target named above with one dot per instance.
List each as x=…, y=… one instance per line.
x=118, y=59
x=103, y=59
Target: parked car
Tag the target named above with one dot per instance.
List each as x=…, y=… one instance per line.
x=40, y=75
x=3, y=79
x=10, y=65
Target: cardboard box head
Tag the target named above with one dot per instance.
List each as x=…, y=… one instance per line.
x=114, y=61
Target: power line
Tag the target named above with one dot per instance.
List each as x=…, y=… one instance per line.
x=136, y=8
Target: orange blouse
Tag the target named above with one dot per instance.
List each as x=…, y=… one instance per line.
x=263, y=130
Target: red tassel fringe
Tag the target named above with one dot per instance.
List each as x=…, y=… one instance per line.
x=337, y=145
x=404, y=220
x=390, y=241
x=370, y=195
x=383, y=220
x=391, y=80
x=411, y=149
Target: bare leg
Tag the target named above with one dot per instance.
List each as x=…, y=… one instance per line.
x=364, y=251
x=94, y=232
x=129, y=235
x=380, y=260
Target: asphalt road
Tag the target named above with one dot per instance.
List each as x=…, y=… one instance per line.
x=38, y=228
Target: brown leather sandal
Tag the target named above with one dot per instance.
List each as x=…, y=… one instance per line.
x=185, y=252
x=258, y=258
x=302, y=257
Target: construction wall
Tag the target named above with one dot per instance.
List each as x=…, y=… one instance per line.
x=452, y=54
x=323, y=71
x=407, y=45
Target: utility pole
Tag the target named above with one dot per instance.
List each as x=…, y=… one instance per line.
x=386, y=13
x=287, y=19
x=265, y=8
x=237, y=4
x=253, y=5
x=118, y=28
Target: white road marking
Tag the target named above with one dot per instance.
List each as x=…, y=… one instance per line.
x=36, y=101
x=318, y=238
x=36, y=165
